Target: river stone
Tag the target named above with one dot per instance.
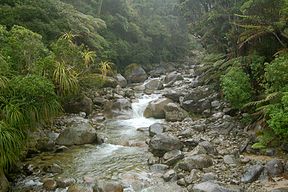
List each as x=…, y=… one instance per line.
x=162, y=143
x=172, y=157
x=209, y=186
x=53, y=168
x=159, y=168
x=230, y=160
x=274, y=167
x=157, y=128
x=252, y=174
x=172, y=77
x=135, y=73
x=49, y=184
x=195, y=162
x=4, y=183
x=77, y=134
x=108, y=187
x=198, y=150
x=121, y=80
x=192, y=177
x=174, y=112
x=170, y=175
x=79, y=188
x=80, y=104
x=174, y=95
x=153, y=84
x=209, y=177
x=109, y=82
x=65, y=182
x=117, y=107
x=156, y=108
x=209, y=147
x=282, y=189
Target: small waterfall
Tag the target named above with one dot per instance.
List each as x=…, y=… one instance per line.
x=139, y=107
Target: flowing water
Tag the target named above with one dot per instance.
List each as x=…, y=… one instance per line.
x=123, y=157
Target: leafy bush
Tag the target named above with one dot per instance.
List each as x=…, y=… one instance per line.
x=278, y=114
x=277, y=74
x=236, y=87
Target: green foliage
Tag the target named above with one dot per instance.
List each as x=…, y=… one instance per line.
x=236, y=87
x=92, y=81
x=277, y=74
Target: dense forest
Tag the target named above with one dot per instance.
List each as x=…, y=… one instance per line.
x=50, y=49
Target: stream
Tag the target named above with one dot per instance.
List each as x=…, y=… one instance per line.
x=123, y=156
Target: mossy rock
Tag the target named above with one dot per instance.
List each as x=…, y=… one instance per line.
x=134, y=73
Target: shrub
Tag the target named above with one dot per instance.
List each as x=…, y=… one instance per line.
x=236, y=87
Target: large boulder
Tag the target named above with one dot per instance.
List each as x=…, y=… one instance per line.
x=162, y=143
x=274, y=167
x=174, y=112
x=78, y=133
x=121, y=80
x=156, y=108
x=152, y=85
x=80, y=104
x=252, y=174
x=109, y=82
x=198, y=100
x=135, y=74
x=195, y=162
x=4, y=184
x=117, y=107
x=172, y=77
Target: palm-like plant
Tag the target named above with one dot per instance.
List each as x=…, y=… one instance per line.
x=105, y=67
x=69, y=36
x=88, y=57
x=65, y=79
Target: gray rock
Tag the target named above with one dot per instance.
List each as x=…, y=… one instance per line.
x=209, y=147
x=192, y=177
x=121, y=80
x=108, y=187
x=156, y=108
x=174, y=112
x=109, y=82
x=209, y=186
x=172, y=157
x=170, y=175
x=4, y=183
x=252, y=174
x=181, y=182
x=117, y=107
x=157, y=128
x=153, y=84
x=230, y=160
x=81, y=104
x=174, y=95
x=198, y=150
x=274, y=167
x=215, y=104
x=282, y=189
x=209, y=177
x=162, y=143
x=53, y=168
x=195, y=162
x=135, y=74
x=172, y=77
x=49, y=184
x=159, y=168
x=65, y=182
x=77, y=134
x=80, y=188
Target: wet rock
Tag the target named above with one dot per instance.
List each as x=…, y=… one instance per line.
x=174, y=95
x=157, y=128
x=108, y=187
x=134, y=73
x=156, y=108
x=117, y=107
x=209, y=186
x=49, y=184
x=81, y=104
x=65, y=182
x=174, y=112
x=121, y=80
x=170, y=175
x=252, y=174
x=79, y=188
x=172, y=157
x=274, y=167
x=162, y=143
x=172, y=77
x=153, y=84
x=53, y=168
x=195, y=162
x=4, y=183
x=78, y=133
x=159, y=168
